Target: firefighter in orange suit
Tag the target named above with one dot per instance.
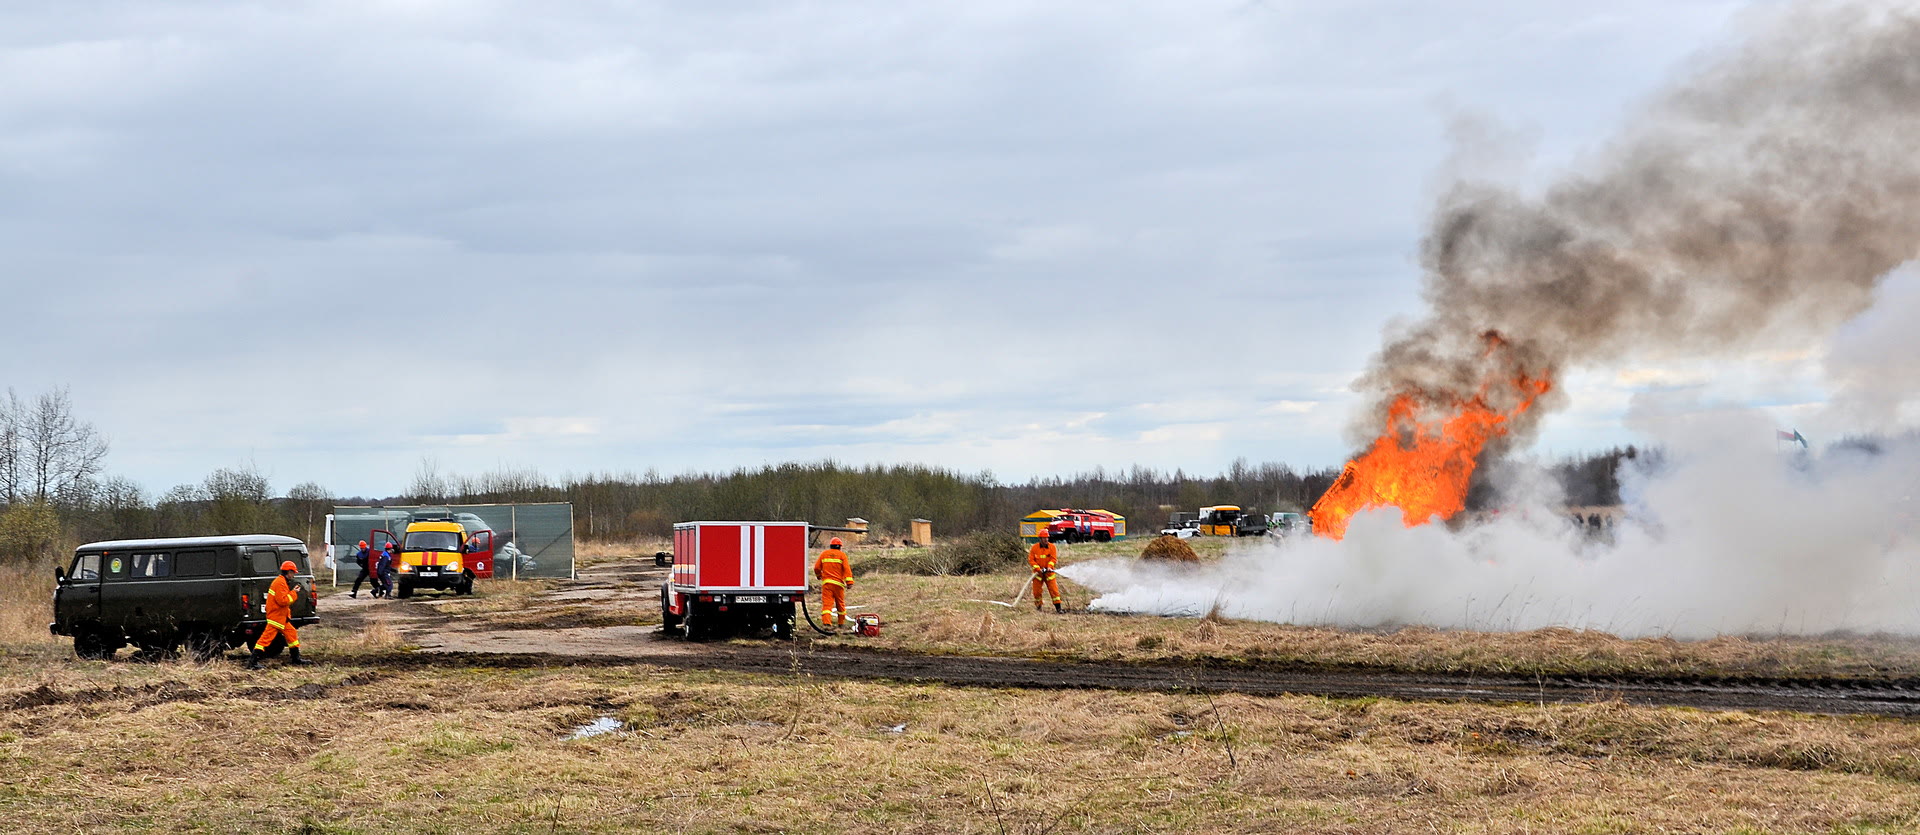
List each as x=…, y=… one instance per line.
x=280, y=597
x=1044, y=559
x=836, y=576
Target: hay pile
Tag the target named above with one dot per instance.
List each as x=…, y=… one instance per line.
x=1169, y=548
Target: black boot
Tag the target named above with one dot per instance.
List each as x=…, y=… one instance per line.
x=293, y=657
x=1057, y=609
x=253, y=661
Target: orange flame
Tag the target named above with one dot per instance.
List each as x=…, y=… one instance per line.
x=1420, y=466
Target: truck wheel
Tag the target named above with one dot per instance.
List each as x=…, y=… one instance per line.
x=466, y=584
x=404, y=591
x=668, y=620
x=694, y=628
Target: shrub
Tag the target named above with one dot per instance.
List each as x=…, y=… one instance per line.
x=982, y=552
x=29, y=534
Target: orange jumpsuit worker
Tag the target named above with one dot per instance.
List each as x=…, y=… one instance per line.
x=280, y=597
x=1044, y=558
x=836, y=576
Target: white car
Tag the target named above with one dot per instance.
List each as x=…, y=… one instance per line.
x=1183, y=532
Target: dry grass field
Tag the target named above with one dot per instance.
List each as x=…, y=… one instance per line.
x=354, y=745
x=376, y=738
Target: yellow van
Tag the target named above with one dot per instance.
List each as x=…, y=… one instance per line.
x=432, y=555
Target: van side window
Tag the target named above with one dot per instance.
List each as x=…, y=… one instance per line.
x=85, y=567
x=193, y=564
x=229, y=562
x=116, y=566
x=152, y=565
x=266, y=562
x=298, y=557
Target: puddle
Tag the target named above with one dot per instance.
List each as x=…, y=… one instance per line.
x=602, y=725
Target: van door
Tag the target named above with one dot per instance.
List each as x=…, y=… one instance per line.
x=79, y=598
x=302, y=581
x=480, y=554
x=115, y=589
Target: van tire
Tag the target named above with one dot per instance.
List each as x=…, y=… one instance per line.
x=88, y=643
x=158, y=646
x=204, y=645
x=404, y=590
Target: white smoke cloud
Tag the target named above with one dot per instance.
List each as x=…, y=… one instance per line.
x=1723, y=539
x=1874, y=362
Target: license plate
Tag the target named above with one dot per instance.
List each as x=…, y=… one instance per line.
x=751, y=598
x=429, y=570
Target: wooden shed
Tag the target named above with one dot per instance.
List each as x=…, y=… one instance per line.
x=857, y=522
x=922, y=532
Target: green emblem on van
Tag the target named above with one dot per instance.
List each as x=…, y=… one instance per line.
x=114, y=567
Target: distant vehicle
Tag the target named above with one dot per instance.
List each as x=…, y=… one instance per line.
x=1231, y=520
x=1289, y=524
x=208, y=592
x=433, y=554
x=1071, y=525
x=1182, y=525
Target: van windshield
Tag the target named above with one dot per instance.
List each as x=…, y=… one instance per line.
x=432, y=541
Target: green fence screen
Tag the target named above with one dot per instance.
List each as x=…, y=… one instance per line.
x=531, y=540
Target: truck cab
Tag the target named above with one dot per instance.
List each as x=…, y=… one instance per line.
x=433, y=554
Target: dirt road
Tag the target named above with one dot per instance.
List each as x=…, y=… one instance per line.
x=478, y=641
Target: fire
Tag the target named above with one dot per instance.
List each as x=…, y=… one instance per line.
x=1421, y=466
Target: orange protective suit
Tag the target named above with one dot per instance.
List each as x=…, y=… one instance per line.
x=279, y=602
x=835, y=574
x=1044, y=558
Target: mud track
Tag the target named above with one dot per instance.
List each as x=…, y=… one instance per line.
x=456, y=641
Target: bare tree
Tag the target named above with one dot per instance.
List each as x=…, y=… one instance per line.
x=309, y=501
x=60, y=453
x=428, y=484
x=12, y=471
x=237, y=500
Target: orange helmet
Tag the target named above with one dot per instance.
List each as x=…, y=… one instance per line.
x=363, y=543
x=289, y=566
x=834, y=542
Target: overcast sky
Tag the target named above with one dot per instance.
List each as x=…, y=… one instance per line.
x=334, y=239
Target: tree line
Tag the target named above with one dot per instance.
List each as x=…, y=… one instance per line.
x=625, y=505
x=55, y=492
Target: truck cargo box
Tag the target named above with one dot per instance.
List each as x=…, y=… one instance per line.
x=740, y=556
x=729, y=576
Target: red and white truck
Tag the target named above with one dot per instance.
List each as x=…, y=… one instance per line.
x=730, y=576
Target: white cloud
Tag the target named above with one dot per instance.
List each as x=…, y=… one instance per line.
x=1030, y=238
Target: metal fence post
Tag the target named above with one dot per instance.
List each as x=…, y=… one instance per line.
x=513, y=527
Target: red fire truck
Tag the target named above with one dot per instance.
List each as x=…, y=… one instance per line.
x=731, y=576
x=1070, y=525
